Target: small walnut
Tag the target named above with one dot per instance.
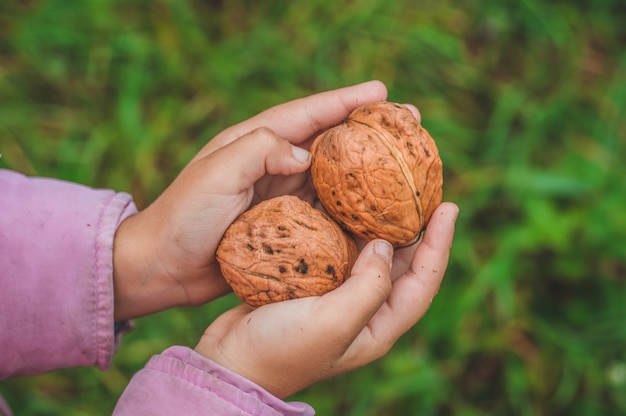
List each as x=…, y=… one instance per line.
x=283, y=249
x=378, y=173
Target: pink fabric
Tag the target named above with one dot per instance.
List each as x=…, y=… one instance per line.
x=216, y=390
x=56, y=307
x=56, y=303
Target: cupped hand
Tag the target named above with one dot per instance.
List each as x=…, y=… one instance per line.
x=164, y=256
x=287, y=346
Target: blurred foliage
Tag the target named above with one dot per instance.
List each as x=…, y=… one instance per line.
x=525, y=99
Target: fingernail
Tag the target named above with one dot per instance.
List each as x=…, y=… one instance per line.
x=300, y=154
x=384, y=250
x=415, y=111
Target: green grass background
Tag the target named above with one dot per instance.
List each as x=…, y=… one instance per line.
x=527, y=102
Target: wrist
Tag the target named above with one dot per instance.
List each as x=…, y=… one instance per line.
x=137, y=286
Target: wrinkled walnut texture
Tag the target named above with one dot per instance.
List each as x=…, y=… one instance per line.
x=283, y=249
x=378, y=173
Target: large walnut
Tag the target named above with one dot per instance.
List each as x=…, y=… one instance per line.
x=378, y=173
x=282, y=249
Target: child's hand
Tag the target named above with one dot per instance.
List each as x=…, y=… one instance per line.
x=165, y=255
x=287, y=346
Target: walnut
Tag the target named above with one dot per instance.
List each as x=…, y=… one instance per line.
x=282, y=249
x=378, y=173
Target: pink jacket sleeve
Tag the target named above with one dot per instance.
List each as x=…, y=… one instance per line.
x=194, y=385
x=56, y=304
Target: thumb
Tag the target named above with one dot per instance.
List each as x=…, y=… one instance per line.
x=253, y=155
x=360, y=297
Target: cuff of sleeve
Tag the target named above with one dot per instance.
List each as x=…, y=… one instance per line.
x=108, y=332
x=181, y=380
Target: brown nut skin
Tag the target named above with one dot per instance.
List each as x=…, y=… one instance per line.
x=378, y=173
x=282, y=249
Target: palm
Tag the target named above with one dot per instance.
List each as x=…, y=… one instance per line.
x=271, y=186
x=287, y=346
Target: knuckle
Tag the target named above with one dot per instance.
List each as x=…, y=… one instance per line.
x=264, y=133
x=266, y=137
x=381, y=349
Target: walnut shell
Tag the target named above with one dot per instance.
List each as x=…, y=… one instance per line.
x=378, y=173
x=283, y=249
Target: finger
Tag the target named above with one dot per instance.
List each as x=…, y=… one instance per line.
x=223, y=323
x=413, y=292
x=403, y=258
x=415, y=112
x=299, y=119
x=217, y=332
x=360, y=297
x=250, y=157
